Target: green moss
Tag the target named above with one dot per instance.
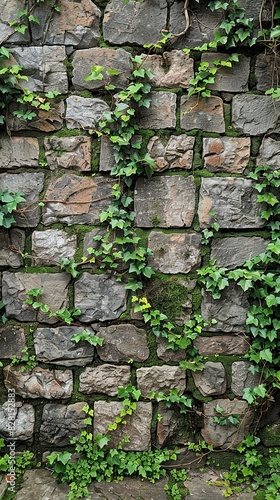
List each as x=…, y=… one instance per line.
x=270, y=434
x=255, y=145
x=223, y=459
x=95, y=154
x=85, y=93
x=65, y=132
x=69, y=68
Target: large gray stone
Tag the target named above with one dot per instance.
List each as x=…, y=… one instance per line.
x=41, y=485
x=84, y=112
x=9, y=9
x=107, y=160
x=160, y=379
x=12, y=341
x=165, y=201
x=232, y=201
x=50, y=246
x=31, y=185
x=226, y=154
x=211, y=381
x=16, y=286
x=174, y=253
x=104, y=379
x=255, y=114
x=39, y=383
x=173, y=69
x=233, y=252
x=123, y=343
x=234, y=79
x=18, y=152
x=68, y=152
x=54, y=346
x=11, y=247
x=267, y=71
x=132, y=488
x=137, y=427
x=204, y=114
x=177, y=152
x=17, y=421
x=224, y=345
x=170, y=426
x=99, y=297
x=161, y=112
x=242, y=378
x=269, y=153
x=60, y=423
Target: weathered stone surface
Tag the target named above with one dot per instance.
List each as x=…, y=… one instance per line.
x=204, y=114
x=176, y=153
x=17, y=421
x=168, y=354
x=104, y=379
x=241, y=377
x=31, y=185
x=170, y=427
x=16, y=286
x=226, y=154
x=269, y=153
x=255, y=114
x=137, y=425
x=161, y=113
x=174, y=253
x=173, y=69
x=39, y=383
x=42, y=484
x=84, y=112
x=229, y=435
x=61, y=423
x=234, y=79
x=18, y=152
x=122, y=343
x=45, y=121
x=12, y=341
x=211, y=381
x=54, y=345
x=129, y=488
x=233, y=252
x=165, y=201
x=76, y=200
x=137, y=22
x=255, y=8
x=8, y=10
x=267, y=71
x=99, y=297
x=68, y=152
x=50, y=246
x=160, y=379
x=226, y=345
x=109, y=59
x=76, y=24
x=229, y=311
x=44, y=67
x=233, y=202
x=11, y=248
x=107, y=160
x=270, y=434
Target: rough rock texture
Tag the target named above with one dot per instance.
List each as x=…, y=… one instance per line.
x=61, y=423
x=68, y=152
x=104, y=379
x=176, y=153
x=42, y=484
x=165, y=201
x=227, y=345
x=170, y=427
x=269, y=153
x=44, y=121
x=130, y=488
x=162, y=110
x=107, y=160
x=54, y=345
x=234, y=79
x=18, y=152
x=12, y=341
x=226, y=154
x=233, y=202
x=172, y=69
x=233, y=252
x=241, y=378
x=255, y=114
x=99, y=297
x=50, y=246
x=84, y=112
x=168, y=354
x=267, y=71
x=122, y=343
x=16, y=286
x=17, y=421
x=39, y=383
x=203, y=114
x=174, y=253
x=137, y=425
x=160, y=378
x=11, y=247
x=211, y=381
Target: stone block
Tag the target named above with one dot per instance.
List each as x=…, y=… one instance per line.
x=160, y=379
x=99, y=297
x=165, y=201
x=137, y=426
x=122, y=343
x=203, y=114
x=11, y=247
x=16, y=285
x=135, y=23
x=76, y=24
x=269, y=153
x=12, y=341
x=176, y=153
x=224, y=345
x=107, y=160
x=72, y=199
x=68, y=153
x=44, y=121
x=42, y=484
x=104, y=379
x=18, y=152
x=233, y=252
x=161, y=112
x=171, y=70
x=233, y=202
x=174, y=253
x=168, y=354
x=226, y=154
x=60, y=423
x=44, y=66
x=267, y=71
x=211, y=381
x=255, y=114
x=128, y=488
x=171, y=427
x=54, y=346
x=9, y=8
x=241, y=378
x=229, y=311
x=17, y=421
x=109, y=59
x=39, y=383
x=234, y=79
x=50, y=246
x=226, y=436
x=31, y=185
x=84, y=112
x=270, y=434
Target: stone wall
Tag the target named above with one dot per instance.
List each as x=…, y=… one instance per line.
x=203, y=151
